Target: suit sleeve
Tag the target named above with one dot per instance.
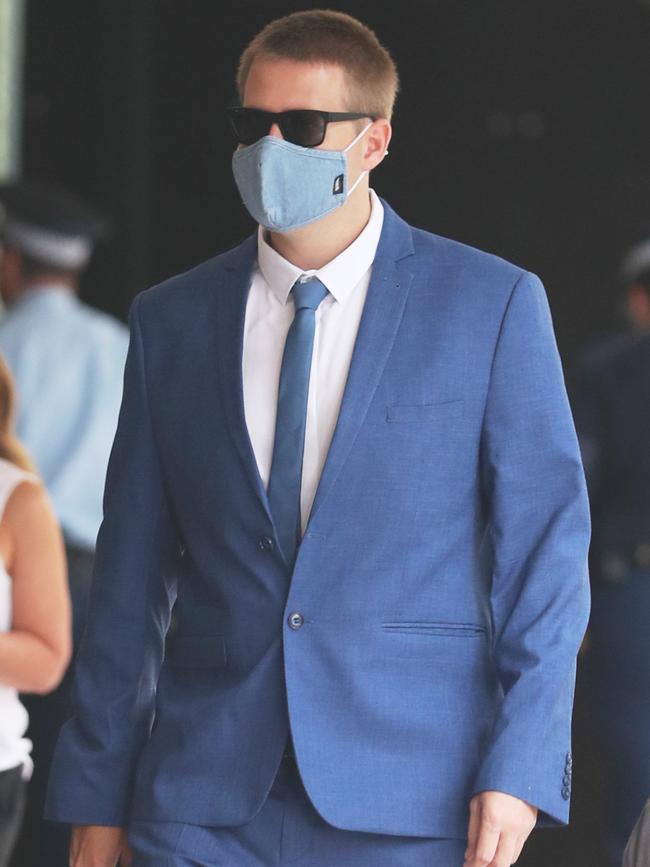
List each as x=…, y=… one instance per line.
x=132, y=593
x=535, y=491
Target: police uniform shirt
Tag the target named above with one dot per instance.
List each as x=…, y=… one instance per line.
x=68, y=362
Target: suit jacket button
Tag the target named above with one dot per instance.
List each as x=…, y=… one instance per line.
x=296, y=620
x=566, y=793
x=266, y=543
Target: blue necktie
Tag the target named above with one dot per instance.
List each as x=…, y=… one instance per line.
x=286, y=466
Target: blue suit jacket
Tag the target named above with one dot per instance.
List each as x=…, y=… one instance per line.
x=442, y=577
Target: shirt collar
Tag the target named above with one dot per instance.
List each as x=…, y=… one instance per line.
x=340, y=275
x=45, y=293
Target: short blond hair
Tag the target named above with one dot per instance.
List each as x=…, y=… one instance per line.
x=325, y=36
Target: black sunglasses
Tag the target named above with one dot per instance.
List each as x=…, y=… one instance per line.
x=301, y=126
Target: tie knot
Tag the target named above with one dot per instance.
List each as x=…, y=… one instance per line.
x=308, y=293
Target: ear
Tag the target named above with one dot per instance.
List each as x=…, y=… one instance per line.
x=376, y=143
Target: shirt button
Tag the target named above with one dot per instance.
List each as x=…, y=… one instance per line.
x=266, y=543
x=296, y=620
x=566, y=779
x=566, y=793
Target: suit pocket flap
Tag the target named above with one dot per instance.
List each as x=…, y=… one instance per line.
x=198, y=651
x=423, y=627
x=422, y=412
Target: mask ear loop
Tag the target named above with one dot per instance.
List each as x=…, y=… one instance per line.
x=356, y=139
x=352, y=144
x=354, y=185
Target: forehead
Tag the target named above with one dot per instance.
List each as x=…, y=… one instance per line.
x=277, y=84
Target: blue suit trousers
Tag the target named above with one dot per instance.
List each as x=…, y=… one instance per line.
x=286, y=832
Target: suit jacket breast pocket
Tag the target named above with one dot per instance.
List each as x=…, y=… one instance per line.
x=421, y=413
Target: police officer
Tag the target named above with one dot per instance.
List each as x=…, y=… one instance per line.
x=68, y=361
x=612, y=409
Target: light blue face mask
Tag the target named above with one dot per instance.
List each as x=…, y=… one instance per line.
x=285, y=186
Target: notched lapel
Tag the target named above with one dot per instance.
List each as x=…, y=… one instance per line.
x=231, y=311
x=383, y=309
x=390, y=282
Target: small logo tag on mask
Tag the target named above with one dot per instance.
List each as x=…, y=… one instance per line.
x=338, y=185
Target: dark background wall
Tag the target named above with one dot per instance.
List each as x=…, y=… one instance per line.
x=523, y=127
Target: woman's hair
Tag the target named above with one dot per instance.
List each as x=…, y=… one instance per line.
x=324, y=36
x=10, y=447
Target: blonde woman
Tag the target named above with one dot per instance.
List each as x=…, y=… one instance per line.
x=35, y=642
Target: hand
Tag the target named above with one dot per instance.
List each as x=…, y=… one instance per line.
x=99, y=846
x=499, y=825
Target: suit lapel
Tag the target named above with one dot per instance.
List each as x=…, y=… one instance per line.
x=382, y=313
x=231, y=312
x=380, y=319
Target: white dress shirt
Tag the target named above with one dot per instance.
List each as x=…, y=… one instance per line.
x=270, y=312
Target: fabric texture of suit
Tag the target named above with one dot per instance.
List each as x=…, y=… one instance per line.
x=441, y=581
x=286, y=831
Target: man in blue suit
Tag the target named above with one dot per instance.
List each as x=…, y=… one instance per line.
x=346, y=456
